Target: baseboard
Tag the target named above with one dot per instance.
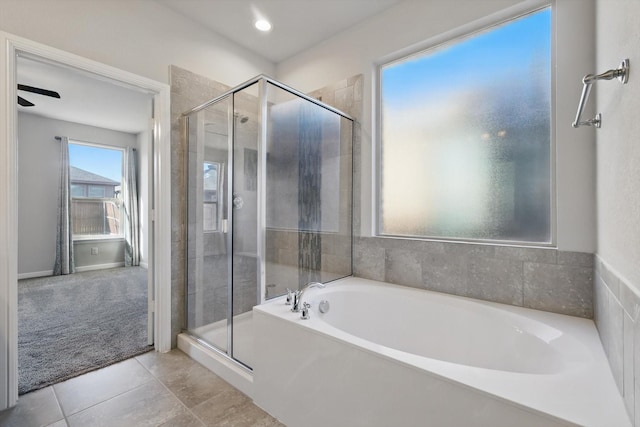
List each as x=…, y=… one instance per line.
x=78, y=269
x=35, y=274
x=99, y=266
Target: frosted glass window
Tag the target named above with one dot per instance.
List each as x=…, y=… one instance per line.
x=466, y=137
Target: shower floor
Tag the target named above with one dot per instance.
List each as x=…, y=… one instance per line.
x=216, y=335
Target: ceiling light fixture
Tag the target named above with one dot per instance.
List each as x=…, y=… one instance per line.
x=263, y=25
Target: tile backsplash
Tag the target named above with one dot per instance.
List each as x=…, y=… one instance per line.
x=540, y=278
x=616, y=307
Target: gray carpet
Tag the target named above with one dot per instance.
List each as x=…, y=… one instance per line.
x=69, y=325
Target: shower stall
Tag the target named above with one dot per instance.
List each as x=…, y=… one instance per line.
x=269, y=206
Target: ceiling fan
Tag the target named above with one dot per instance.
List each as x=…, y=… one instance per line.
x=23, y=102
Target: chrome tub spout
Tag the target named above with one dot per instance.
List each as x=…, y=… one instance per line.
x=297, y=295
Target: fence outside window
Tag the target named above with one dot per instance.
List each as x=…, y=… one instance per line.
x=96, y=217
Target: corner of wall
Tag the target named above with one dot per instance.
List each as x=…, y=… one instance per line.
x=616, y=309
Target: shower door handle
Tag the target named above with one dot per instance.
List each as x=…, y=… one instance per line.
x=238, y=202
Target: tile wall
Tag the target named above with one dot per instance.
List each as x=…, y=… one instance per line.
x=616, y=306
x=543, y=279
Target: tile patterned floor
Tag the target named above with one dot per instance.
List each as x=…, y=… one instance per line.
x=153, y=389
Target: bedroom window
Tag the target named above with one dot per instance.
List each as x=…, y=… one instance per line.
x=465, y=137
x=96, y=174
x=211, y=189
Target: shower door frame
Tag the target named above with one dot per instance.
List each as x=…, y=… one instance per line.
x=262, y=81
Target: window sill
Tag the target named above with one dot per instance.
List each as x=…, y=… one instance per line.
x=483, y=242
x=97, y=238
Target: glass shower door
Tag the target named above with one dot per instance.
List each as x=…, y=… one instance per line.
x=208, y=239
x=223, y=258
x=245, y=212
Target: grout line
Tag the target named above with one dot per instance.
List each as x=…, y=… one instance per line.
x=55, y=395
x=522, y=288
x=178, y=400
x=112, y=397
x=173, y=394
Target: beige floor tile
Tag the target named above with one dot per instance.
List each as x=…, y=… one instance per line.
x=35, y=409
x=163, y=364
x=247, y=415
x=191, y=382
x=196, y=385
x=256, y=417
x=151, y=390
x=87, y=390
x=223, y=409
x=151, y=404
x=184, y=420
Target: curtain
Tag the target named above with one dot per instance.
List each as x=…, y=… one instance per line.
x=64, y=263
x=130, y=198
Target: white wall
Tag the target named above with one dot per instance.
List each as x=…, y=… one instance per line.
x=38, y=176
x=415, y=23
x=618, y=141
x=139, y=36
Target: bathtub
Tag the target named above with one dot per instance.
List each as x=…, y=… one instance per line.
x=387, y=355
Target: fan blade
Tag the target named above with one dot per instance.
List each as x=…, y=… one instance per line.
x=39, y=91
x=24, y=102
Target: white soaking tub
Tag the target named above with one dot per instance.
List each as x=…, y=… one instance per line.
x=387, y=355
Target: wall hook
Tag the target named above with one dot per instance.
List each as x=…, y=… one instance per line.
x=622, y=74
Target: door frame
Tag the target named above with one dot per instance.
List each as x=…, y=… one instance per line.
x=161, y=212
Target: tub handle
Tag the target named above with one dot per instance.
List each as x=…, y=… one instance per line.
x=305, y=311
x=289, y=297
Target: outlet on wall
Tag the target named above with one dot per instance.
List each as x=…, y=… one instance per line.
x=94, y=251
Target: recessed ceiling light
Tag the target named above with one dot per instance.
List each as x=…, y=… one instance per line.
x=263, y=25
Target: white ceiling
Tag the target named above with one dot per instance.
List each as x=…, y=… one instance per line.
x=84, y=98
x=297, y=24
x=94, y=101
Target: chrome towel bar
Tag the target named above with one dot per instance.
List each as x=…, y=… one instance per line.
x=621, y=74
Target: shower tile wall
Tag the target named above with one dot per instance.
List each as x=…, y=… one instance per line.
x=336, y=249
x=346, y=96
x=288, y=264
x=616, y=308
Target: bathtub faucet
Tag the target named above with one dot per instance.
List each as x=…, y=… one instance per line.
x=297, y=295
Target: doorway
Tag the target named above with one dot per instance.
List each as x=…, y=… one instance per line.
x=158, y=209
x=97, y=314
